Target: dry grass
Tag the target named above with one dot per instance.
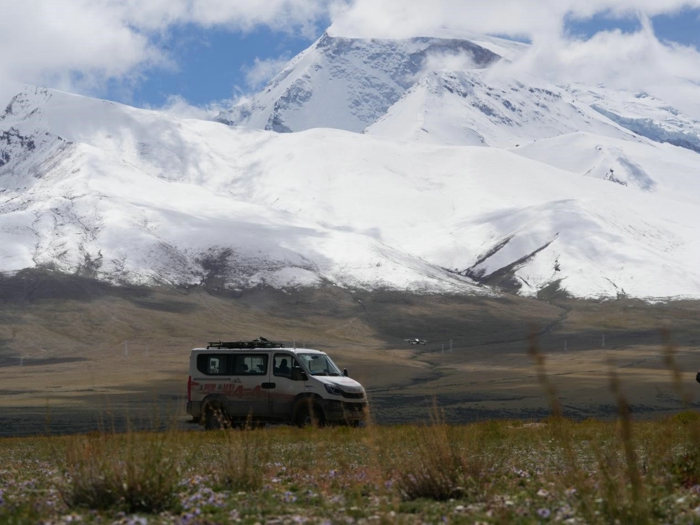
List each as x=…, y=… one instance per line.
x=133, y=472
x=498, y=472
x=437, y=462
x=246, y=453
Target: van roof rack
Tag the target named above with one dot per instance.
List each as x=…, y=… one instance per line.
x=260, y=342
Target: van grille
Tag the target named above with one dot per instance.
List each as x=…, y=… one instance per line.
x=354, y=407
x=348, y=395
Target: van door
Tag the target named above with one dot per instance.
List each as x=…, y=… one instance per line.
x=249, y=391
x=212, y=376
x=286, y=388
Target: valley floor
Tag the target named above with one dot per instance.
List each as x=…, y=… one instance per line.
x=77, y=355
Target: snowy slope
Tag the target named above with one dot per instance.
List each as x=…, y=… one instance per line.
x=139, y=196
x=481, y=108
x=483, y=210
x=642, y=164
x=631, y=139
x=347, y=83
x=136, y=196
x=642, y=114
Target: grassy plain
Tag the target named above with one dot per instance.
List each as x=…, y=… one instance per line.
x=82, y=358
x=74, y=352
x=489, y=472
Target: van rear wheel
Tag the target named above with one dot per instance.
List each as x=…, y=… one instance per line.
x=216, y=419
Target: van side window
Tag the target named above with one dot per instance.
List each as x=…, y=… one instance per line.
x=232, y=365
x=250, y=365
x=213, y=364
x=283, y=365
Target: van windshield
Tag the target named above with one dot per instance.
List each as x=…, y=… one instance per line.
x=319, y=365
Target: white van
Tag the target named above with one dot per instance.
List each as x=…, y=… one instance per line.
x=234, y=383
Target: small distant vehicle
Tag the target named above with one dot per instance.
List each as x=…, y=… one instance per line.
x=243, y=382
x=416, y=341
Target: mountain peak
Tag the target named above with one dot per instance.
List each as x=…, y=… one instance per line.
x=347, y=83
x=27, y=100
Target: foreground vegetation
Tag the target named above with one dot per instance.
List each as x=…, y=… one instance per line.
x=493, y=472
x=556, y=470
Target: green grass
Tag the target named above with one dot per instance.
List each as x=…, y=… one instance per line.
x=493, y=472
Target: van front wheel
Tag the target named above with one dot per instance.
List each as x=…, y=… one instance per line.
x=310, y=416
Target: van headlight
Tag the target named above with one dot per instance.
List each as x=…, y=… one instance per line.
x=333, y=390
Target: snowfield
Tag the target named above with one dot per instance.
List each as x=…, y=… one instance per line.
x=138, y=196
x=432, y=182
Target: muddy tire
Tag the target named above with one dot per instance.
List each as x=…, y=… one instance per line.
x=310, y=416
x=216, y=419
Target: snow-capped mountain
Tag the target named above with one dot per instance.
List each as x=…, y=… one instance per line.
x=130, y=195
x=347, y=83
x=643, y=114
x=482, y=108
x=463, y=92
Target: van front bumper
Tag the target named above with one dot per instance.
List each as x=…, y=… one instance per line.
x=340, y=411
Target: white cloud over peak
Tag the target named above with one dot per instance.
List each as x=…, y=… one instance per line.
x=631, y=61
x=178, y=106
x=532, y=18
x=263, y=70
x=636, y=61
x=81, y=45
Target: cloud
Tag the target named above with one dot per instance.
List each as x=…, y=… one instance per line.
x=180, y=107
x=622, y=59
x=446, y=61
x=69, y=42
x=631, y=61
x=86, y=45
x=263, y=70
x=636, y=61
x=531, y=18
x=81, y=45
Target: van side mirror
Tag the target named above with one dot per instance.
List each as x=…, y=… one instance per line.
x=345, y=372
x=299, y=375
